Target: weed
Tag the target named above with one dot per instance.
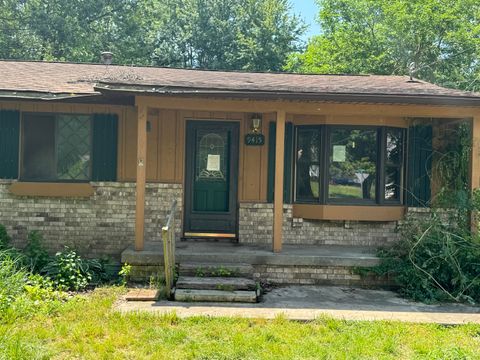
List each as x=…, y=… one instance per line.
x=124, y=273
x=68, y=271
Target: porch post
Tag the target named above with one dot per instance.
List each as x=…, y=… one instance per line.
x=475, y=166
x=141, y=174
x=278, y=189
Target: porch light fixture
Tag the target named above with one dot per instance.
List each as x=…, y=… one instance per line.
x=256, y=123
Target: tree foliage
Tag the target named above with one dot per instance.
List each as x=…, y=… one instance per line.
x=441, y=37
x=218, y=34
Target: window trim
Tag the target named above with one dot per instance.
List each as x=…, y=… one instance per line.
x=324, y=146
x=21, y=177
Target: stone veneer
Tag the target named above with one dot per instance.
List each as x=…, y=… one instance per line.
x=256, y=227
x=102, y=224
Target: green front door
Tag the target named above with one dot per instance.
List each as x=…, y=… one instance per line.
x=211, y=179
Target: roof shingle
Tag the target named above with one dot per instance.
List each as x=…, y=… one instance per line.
x=72, y=78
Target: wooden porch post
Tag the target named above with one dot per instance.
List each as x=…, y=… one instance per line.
x=278, y=189
x=141, y=175
x=475, y=166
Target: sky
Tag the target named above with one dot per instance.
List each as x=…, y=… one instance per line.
x=307, y=9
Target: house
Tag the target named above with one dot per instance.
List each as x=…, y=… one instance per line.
x=93, y=156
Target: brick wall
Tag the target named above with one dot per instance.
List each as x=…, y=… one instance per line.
x=317, y=275
x=256, y=227
x=102, y=224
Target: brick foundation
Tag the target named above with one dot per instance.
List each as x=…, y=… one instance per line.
x=103, y=224
x=317, y=275
x=256, y=227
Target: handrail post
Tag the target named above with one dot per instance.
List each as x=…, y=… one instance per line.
x=168, y=238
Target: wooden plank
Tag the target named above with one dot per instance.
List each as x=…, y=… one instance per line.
x=475, y=168
x=52, y=189
x=152, y=146
x=264, y=161
x=141, y=175
x=309, y=107
x=179, y=147
x=167, y=146
x=475, y=162
x=348, y=212
x=278, y=193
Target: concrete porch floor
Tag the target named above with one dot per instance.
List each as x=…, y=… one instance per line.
x=233, y=253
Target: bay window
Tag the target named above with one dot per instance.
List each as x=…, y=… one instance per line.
x=348, y=164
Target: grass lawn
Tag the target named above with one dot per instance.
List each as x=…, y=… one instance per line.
x=87, y=328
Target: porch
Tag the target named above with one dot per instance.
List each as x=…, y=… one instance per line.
x=296, y=264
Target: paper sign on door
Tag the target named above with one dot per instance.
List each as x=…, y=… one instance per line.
x=213, y=163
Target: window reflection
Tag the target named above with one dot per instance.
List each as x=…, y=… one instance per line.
x=393, y=164
x=308, y=164
x=353, y=159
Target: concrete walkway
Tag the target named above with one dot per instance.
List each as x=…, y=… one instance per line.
x=310, y=302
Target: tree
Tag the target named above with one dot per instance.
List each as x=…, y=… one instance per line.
x=226, y=34
x=214, y=34
x=440, y=39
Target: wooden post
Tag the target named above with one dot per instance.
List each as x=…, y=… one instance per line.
x=278, y=189
x=141, y=176
x=475, y=166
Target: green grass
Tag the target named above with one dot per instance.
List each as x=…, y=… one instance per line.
x=87, y=328
x=342, y=191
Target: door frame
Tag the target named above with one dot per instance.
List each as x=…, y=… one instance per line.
x=190, y=157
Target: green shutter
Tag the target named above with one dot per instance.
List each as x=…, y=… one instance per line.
x=419, y=165
x=287, y=165
x=288, y=162
x=9, y=143
x=105, y=133
x=272, y=133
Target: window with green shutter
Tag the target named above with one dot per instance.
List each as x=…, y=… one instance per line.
x=9, y=143
x=288, y=162
x=69, y=147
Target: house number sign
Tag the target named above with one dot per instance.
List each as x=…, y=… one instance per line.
x=254, y=139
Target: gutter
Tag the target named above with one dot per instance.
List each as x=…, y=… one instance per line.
x=44, y=96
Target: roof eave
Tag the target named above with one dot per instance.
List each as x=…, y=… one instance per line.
x=284, y=95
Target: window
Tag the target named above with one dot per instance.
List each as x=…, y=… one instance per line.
x=352, y=164
x=348, y=164
x=393, y=164
x=308, y=165
x=56, y=147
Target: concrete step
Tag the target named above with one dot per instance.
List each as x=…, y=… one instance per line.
x=207, y=269
x=215, y=283
x=215, y=296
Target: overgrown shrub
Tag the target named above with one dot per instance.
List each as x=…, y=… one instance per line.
x=4, y=238
x=23, y=293
x=68, y=271
x=435, y=260
x=438, y=256
x=12, y=279
x=36, y=255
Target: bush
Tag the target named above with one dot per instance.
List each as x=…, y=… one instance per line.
x=23, y=293
x=68, y=271
x=4, y=238
x=12, y=279
x=435, y=261
x=438, y=256
x=36, y=255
